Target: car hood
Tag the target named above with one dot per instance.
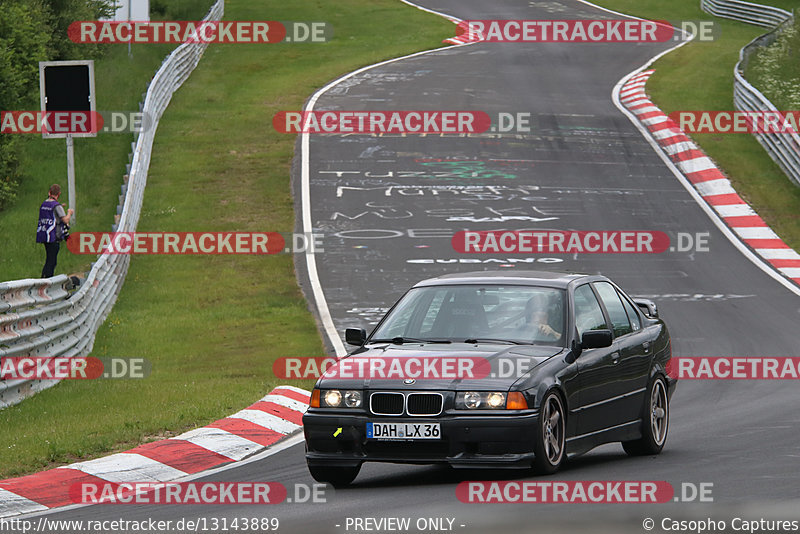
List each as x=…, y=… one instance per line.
x=494, y=366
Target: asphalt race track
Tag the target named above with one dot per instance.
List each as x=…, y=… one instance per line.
x=388, y=206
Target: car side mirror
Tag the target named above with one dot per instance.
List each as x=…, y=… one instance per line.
x=596, y=339
x=647, y=306
x=355, y=336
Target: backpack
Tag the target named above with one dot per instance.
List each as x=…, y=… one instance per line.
x=62, y=231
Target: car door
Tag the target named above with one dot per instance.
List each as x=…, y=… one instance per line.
x=632, y=364
x=598, y=378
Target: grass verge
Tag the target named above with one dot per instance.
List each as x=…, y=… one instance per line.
x=699, y=76
x=775, y=71
x=212, y=326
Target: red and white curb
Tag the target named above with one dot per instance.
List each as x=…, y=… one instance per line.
x=708, y=181
x=467, y=35
x=249, y=431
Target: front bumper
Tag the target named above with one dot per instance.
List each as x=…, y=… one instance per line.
x=467, y=440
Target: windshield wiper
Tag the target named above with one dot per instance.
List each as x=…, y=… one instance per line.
x=494, y=340
x=400, y=340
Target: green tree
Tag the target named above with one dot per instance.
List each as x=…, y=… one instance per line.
x=62, y=13
x=24, y=36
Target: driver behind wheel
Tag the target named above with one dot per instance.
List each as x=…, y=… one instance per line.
x=542, y=320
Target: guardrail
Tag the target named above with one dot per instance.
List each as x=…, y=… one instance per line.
x=38, y=317
x=783, y=148
x=766, y=16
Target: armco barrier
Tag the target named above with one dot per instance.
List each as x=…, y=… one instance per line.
x=38, y=317
x=766, y=16
x=784, y=149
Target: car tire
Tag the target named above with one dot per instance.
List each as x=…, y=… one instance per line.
x=550, y=440
x=655, y=421
x=339, y=477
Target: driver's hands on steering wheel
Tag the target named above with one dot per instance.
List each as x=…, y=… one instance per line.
x=548, y=330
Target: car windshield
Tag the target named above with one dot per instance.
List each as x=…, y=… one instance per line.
x=485, y=313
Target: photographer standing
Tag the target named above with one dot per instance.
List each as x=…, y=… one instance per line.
x=53, y=222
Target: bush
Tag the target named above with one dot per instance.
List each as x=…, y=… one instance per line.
x=23, y=43
x=8, y=170
x=775, y=69
x=62, y=13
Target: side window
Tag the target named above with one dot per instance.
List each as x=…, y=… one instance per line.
x=632, y=315
x=616, y=312
x=588, y=314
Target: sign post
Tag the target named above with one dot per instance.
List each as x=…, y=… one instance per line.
x=71, y=196
x=67, y=86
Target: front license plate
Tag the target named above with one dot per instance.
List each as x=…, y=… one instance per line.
x=403, y=431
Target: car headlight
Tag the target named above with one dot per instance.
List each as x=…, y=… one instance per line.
x=472, y=400
x=335, y=398
x=480, y=400
x=352, y=399
x=496, y=400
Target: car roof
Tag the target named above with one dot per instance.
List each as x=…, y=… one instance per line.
x=528, y=278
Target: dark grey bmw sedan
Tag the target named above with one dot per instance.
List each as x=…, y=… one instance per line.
x=495, y=369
